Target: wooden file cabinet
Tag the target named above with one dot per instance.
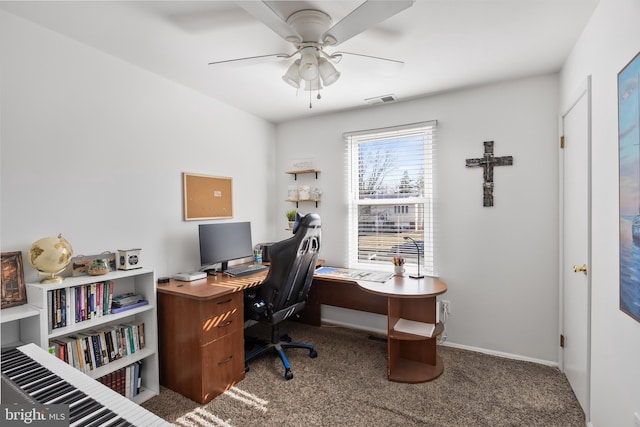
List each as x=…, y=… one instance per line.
x=201, y=344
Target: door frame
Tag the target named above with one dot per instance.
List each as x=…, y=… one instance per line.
x=583, y=90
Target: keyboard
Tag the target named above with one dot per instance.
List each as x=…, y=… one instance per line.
x=245, y=270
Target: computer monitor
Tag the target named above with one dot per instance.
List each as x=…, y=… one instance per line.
x=224, y=242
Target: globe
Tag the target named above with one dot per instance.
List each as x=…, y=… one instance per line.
x=50, y=256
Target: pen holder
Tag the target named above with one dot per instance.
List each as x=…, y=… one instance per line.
x=398, y=270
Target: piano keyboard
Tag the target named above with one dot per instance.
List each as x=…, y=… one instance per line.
x=28, y=371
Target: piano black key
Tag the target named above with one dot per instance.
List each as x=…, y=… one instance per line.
x=120, y=423
x=83, y=409
x=11, y=356
x=31, y=377
x=19, y=368
x=97, y=419
x=40, y=384
x=72, y=398
x=15, y=357
x=54, y=392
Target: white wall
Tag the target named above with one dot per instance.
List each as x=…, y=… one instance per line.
x=609, y=42
x=500, y=262
x=94, y=148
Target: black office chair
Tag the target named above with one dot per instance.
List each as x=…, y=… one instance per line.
x=284, y=291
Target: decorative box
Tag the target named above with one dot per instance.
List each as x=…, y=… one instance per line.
x=129, y=259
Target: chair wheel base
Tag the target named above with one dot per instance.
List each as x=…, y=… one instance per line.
x=288, y=374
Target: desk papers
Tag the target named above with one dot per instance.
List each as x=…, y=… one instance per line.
x=346, y=273
x=416, y=328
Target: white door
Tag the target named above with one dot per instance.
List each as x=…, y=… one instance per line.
x=576, y=244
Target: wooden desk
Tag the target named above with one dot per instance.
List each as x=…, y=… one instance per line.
x=201, y=334
x=411, y=358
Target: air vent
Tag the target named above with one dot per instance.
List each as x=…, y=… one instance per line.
x=380, y=99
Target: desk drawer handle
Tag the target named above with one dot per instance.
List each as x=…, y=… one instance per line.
x=224, y=302
x=225, y=324
x=228, y=359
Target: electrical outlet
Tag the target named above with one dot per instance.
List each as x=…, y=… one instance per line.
x=446, y=306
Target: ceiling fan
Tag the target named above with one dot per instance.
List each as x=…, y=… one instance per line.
x=310, y=31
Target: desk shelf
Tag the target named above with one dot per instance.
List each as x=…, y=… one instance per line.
x=412, y=358
x=410, y=371
x=404, y=336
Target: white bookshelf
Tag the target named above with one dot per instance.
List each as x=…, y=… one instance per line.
x=20, y=325
x=141, y=281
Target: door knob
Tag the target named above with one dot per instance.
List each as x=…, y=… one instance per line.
x=579, y=268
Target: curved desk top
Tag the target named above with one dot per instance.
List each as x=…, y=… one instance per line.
x=405, y=287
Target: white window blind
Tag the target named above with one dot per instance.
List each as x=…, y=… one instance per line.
x=391, y=196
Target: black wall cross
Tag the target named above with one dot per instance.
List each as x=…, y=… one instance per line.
x=487, y=162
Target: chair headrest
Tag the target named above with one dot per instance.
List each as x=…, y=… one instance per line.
x=310, y=220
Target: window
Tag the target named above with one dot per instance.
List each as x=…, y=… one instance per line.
x=391, y=196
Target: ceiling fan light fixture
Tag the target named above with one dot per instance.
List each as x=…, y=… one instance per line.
x=312, y=85
x=308, y=68
x=328, y=72
x=292, y=77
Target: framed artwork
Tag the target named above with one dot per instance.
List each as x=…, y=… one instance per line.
x=207, y=197
x=14, y=290
x=629, y=151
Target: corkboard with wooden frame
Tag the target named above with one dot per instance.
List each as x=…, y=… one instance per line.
x=207, y=197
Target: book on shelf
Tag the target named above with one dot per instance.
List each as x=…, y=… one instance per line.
x=94, y=348
x=126, y=299
x=67, y=306
x=116, y=310
x=125, y=381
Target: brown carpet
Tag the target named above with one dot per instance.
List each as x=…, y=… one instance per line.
x=346, y=385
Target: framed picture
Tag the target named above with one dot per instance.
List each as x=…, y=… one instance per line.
x=629, y=150
x=14, y=290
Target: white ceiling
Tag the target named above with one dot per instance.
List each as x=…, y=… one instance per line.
x=445, y=44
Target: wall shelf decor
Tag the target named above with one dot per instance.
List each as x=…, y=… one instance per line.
x=303, y=193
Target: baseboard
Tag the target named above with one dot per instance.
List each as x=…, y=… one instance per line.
x=501, y=354
x=377, y=323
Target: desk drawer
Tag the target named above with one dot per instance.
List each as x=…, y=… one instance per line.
x=222, y=365
x=226, y=317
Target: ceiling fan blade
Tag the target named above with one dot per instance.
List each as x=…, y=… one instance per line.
x=387, y=67
x=263, y=12
x=249, y=59
x=369, y=13
x=395, y=61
